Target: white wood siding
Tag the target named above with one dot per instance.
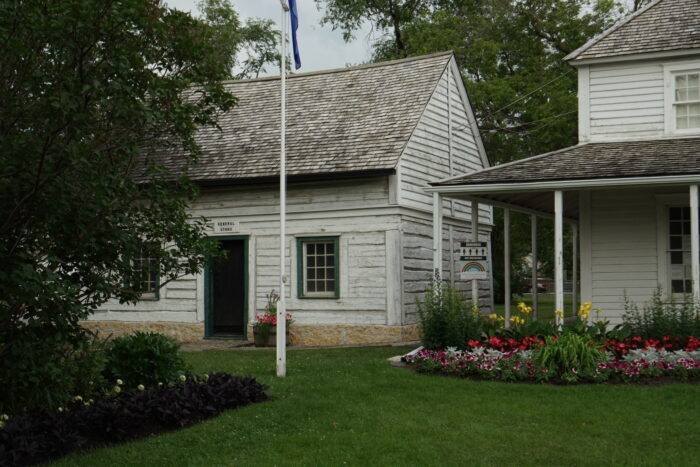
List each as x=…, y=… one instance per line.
x=624, y=100
x=357, y=211
x=623, y=249
x=426, y=157
x=417, y=251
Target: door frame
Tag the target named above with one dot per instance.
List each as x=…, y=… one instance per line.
x=208, y=290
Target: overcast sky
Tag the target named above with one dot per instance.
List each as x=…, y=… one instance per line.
x=320, y=47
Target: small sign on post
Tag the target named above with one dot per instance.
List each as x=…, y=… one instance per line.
x=473, y=260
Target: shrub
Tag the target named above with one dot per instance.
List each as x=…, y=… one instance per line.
x=658, y=318
x=143, y=358
x=446, y=319
x=49, y=434
x=45, y=371
x=569, y=356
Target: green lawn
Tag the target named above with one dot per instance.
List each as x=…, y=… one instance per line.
x=349, y=407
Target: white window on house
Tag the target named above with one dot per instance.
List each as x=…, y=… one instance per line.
x=146, y=269
x=686, y=100
x=317, y=274
x=679, y=264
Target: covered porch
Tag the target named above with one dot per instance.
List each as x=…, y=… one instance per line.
x=633, y=208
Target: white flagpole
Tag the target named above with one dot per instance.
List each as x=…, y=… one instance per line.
x=281, y=304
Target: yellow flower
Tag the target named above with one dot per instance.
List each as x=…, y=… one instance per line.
x=117, y=389
x=140, y=387
x=524, y=309
x=78, y=398
x=493, y=316
x=120, y=382
x=4, y=417
x=475, y=309
x=517, y=320
x=183, y=378
x=559, y=313
x=205, y=376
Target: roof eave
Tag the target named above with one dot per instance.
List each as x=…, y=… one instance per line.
x=609, y=31
x=313, y=177
x=635, y=57
x=579, y=184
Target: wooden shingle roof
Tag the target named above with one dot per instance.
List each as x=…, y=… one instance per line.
x=651, y=158
x=348, y=121
x=663, y=25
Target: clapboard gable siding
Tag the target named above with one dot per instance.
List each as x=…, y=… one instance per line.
x=426, y=156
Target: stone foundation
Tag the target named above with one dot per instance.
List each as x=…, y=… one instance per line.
x=181, y=332
x=347, y=334
x=299, y=334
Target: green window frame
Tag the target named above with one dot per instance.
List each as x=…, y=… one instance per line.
x=318, y=267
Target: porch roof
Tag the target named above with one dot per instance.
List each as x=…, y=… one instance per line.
x=528, y=184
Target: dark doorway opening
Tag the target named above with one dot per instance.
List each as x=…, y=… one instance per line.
x=228, y=291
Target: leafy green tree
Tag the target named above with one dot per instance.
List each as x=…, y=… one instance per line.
x=247, y=47
x=390, y=15
x=88, y=90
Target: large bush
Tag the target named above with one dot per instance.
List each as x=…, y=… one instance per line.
x=446, y=318
x=48, y=372
x=143, y=358
x=658, y=318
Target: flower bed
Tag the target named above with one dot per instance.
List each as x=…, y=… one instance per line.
x=50, y=434
x=520, y=365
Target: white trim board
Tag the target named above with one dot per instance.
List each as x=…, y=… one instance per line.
x=591, y=183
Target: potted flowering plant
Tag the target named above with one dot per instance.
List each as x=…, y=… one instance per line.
x=265, y=324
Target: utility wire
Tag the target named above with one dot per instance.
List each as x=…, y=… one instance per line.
x=523, y=97
x=532, y=122
x=529, y=93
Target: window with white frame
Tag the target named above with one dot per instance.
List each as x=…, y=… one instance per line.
x=679, y=257
x=686, y=99
x=318, y=267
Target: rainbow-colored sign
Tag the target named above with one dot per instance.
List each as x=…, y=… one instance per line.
x=474, y=266
x=473, y=260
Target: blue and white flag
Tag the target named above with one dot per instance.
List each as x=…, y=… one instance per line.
x=295, y=25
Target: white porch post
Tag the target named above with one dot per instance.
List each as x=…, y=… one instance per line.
x=533, y=227
x=506, y=264
x=558, y=254
x=475, y=238
x=574, y=266
x=695, y=241
x=437, y=235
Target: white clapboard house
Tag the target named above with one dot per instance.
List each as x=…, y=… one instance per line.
x=631, y=184
x=362, y=144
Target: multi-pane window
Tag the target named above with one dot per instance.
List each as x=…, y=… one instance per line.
x=687, y=100
x=146, y=269
x=318, y=267
x=679, y=250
